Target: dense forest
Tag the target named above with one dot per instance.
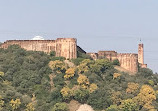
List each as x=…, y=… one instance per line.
x=35, y=81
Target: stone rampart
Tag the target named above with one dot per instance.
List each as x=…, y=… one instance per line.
x=128, y=61
x=65, y=47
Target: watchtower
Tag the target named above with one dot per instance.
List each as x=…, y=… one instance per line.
x=141, y=53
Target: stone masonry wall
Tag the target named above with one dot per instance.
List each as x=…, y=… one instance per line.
x=129, y=61
x=65, y=47
x=111, y=55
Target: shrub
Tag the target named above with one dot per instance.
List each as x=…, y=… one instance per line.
x=55, y=96
x=52, y=53
x=60, y=107
x=81, y=95
x=66, y=93
x=83, y=55
x=77, y=61
x=58, y=66
x=112, y=108
x=129, y=105
x=58, y=58
x=59, y=80
x=116, y=62
x=145, y=72
x=99, y=99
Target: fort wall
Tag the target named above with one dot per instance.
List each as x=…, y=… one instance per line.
x=128, y=61
x=34, y=45
x=111, y=55
x=65, y=47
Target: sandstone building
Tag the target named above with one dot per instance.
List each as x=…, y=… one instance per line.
x=67, y=47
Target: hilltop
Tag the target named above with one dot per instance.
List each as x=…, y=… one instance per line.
x=36, y=81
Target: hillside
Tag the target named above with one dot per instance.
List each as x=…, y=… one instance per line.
x=35, y=81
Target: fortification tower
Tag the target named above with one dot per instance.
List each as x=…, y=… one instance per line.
x=66, y=47
x=141, y=53
x=141, y=56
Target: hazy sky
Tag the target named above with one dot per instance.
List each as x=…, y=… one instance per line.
x=97, y=24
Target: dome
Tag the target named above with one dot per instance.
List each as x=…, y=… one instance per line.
x=38, y=38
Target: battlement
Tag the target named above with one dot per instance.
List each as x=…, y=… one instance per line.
x=127, y=54
x=66, y=39
x=141, y=45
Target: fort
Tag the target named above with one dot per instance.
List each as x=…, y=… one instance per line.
x=67, y=47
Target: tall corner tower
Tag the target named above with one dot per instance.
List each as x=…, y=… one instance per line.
x=141, y=53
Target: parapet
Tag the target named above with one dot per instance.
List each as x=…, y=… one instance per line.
x=66, y=40
x=112, y=53
x=127, y=54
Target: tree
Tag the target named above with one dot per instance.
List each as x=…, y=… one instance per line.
x=116, y=62
x=58, y=58
x=145, y=72
x=81, y=95
x=146, y=96
x=93, y=87
x=15, y=104
x=1, y=76
x=77, y=61
x=132, y=88
x=83, y=55
x=116, y=75
x=84, y=66
x=66, y=93
x=60, y=107
x=128, y=105
x=52, y=53
x=69, y=73
x=30, y=107
x=1, y=103
x=58, y=66
x=101, y=66
x=83, y=81
x=151, y=82
x=116, y=97
x=100, y=99
x=112, y=108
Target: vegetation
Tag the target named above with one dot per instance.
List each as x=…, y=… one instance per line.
x=35, y=81
x=116, y=62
